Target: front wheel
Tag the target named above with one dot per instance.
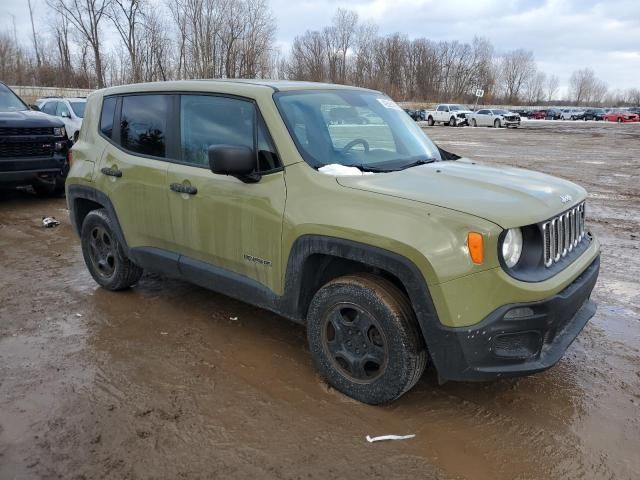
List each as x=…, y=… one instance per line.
x=452, y=122
x=496, y=124
x=430, y=121
x=364, y=338
x=104, y=255
x=619, y=119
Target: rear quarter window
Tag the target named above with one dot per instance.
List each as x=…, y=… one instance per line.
x=106, y=117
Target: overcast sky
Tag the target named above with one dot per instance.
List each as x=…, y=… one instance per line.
x=563, y=34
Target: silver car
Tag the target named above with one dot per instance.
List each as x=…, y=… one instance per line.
x=494, y=117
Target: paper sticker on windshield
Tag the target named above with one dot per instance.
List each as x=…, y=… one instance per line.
x=386, y=103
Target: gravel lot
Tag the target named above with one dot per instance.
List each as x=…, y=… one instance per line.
x=171, y=381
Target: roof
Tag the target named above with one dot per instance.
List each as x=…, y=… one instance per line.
x=238, y=86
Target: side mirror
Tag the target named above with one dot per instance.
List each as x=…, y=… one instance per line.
x=66, y=115
x=235, y=160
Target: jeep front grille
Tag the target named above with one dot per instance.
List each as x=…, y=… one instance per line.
x=562, y=234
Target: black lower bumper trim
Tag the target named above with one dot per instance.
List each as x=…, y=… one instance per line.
x=516, y=339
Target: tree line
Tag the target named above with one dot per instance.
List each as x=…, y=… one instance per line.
x=183, y=39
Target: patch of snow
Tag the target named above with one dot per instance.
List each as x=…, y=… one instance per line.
x=338, y=170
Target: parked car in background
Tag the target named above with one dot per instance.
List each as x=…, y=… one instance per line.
x=572, y=114
x=450, y=114
x=33, y=146
x=553, y=114
x=621, y=116
x=524, y=113
x=635, y=110
x=594, y=114
x=415, y=115
x=538, y=115
x=69, y=110
x=494, y=117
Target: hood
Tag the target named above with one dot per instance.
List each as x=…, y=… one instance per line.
x=28, y=119
x=508, y=197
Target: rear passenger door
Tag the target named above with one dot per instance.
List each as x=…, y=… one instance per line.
x=133, y=169
x=224, y=223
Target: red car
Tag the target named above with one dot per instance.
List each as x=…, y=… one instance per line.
x=538, y=115
x=621, y=117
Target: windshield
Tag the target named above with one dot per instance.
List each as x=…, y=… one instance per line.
x=9, y=101
x=500, y=112
x=455, y=108
x=354, y=128
x=78, y=108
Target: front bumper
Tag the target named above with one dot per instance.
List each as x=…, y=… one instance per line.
x=16, y=171
x=507, y=345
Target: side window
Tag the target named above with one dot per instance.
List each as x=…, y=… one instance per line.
x=62, y=110
x=50, y=108
x=483, y=112
x=143, y=124
x=441, y=109
x=106, y=117
x=207, y=120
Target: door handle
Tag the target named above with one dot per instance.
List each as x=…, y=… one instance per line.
x=111, y=172
x=182, y=188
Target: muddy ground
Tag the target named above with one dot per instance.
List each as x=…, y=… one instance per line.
x=163, y=381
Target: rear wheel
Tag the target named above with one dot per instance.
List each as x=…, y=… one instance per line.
x=473, y=122
x=104, y=255
x=364, y=338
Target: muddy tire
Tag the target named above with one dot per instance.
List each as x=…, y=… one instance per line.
x=103, y=254
x=430, y=122
x=473, y=122
x=496, y=124
x=452, y=122
x=364, y=338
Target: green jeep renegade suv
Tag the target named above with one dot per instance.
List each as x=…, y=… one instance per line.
x=248, y=188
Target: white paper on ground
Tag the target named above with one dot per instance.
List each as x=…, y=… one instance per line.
x=342, y=170
x=388, y=437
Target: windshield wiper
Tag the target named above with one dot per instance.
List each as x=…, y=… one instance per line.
x=416, y=163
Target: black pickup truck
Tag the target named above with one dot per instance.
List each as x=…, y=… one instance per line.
x=33, y=146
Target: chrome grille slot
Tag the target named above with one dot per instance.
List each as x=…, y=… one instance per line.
x=562, y=234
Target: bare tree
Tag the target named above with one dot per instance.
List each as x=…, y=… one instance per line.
x=584, y=87
x=515, y=68
x=534, y=89
x=552, y=87
x=35, y=38
x=86, y=17
x=308, y=54
x=127, y=17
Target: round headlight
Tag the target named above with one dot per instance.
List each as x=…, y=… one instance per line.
x=512, y=247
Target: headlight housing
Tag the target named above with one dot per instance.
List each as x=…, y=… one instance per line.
x=59, y=132
x=512, y=247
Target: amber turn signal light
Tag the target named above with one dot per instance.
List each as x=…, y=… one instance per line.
x=475, y=244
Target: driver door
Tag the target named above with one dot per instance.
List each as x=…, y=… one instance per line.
x=220, y=221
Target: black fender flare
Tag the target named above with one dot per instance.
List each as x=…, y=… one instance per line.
x=397, y=265
x=76, y=192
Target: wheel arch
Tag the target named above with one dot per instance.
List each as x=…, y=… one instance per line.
x=83, y=199
x=314, y=260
